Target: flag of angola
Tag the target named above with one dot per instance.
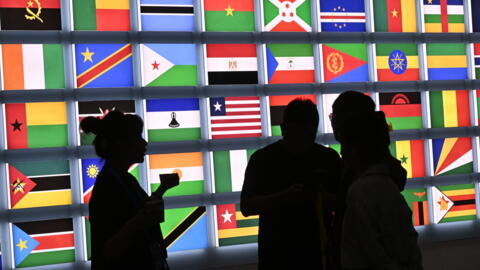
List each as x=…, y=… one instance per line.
x=229, y=169
x=101, y=15
x=395, y=15
x=418, y=203
x=397, y=62
x=185, y=228
x=278, y=104
x=234, y=228
x=454, y=203
x=403, y=110
x=229, y=15
x=411, y=155
x=30, y=15
x=287, y=15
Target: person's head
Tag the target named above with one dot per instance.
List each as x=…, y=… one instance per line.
x=118, y=137
x=300, y=123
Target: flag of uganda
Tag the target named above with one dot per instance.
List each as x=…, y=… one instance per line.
x=234, y=228
x=454, y=203
x=278, y=104
x=229, y=169
x=43, y=242
x=447, y=61
x=101, y=15
x=185, y=228
x=452, y=156
x=418, y=203
x=345, y=62
x=411, y=155
x=30, y=15
x=229, y=15
x=402, y=109
x=395, y=15
x=397, y=62
x=444, y=15
x=449, y=108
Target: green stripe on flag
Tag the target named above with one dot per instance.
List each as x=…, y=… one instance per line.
x=184, y=188
x=352, y=49
x=276, y=131
x=87, y=139
x=47, y=136
x=177, y=76
x=84, y=15
x=477, y=73
x=173, y=217
x=431, y=18
x=436, y=109
x=304, y=12
x=241, y=21
x=291, y=50
x=45, y=258
x=270, y=11
x=53, y=66
x=405, y=122
x=467, y=168
x=238, y=240
x=381, y=19
x=385, y=49
x=174, y=134
x=393, y=148
x=247, y=223
x=446, y=49
x=456, y=187
x=460, y=218
x=250, y=152
x=42, y=167
x=88, y=239
x=223, y=177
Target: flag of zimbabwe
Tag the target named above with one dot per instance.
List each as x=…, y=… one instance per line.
x=397, y=62
x=411, y=155
x=418, y=203
x=454, y=203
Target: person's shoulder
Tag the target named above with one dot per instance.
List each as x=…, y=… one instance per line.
x=268, y=150
x=325, y=151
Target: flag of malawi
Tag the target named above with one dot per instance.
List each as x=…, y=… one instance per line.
x=30, y=15
x=345, y=62
x=229, y=15
x=411, y=155
x=449, y=108
x=402, y=109
x=418, y=203
x=395, y=15
x=234, y=228
x=290, y=63
x=287, y=15
x=342, y=16
x=43, y=242
x=185, y=228
x=278, y=104
x=444, y=15
x=452, y=156
x=397, y=62
x=454, y=203
x=101, y=15
x=447, y=61
x=229, y=169
x=167, y=15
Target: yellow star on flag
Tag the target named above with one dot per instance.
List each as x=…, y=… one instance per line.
x=229, y=10
x=18, y=186
x=394, y=13
x=430, y=1
x=30, y=4
x=87, y=55
x=22, y=244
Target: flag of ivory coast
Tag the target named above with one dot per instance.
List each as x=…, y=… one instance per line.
x=454, y=203
x=411, y=155
x=234, y=228
x=229, y=15
x=418, y=203
x=395, y=15
x=287, y=15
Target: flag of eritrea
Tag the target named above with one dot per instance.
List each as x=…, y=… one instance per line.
x=345, y=62
x=229, y=15
x=397, y=62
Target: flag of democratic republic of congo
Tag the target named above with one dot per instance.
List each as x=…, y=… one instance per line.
x=30, y=15
x=345, y=62
x=447, y=61
x=395, y=15
x=229, y=169
x=167, y=15
x=397, y=62
x=185, y=228
x=452, y=156
x=444, y=15
x=278, y=104
x=454, y=203
x=104, y=65
x=342, y=16
x=411, y=155
x=234, y=228
x=418, y=203
x=287, y=15
x=101, y=15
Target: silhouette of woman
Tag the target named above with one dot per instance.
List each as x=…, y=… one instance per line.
x=125, y=231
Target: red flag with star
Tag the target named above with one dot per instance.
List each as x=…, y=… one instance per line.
x=19, y=185
x=233, y=227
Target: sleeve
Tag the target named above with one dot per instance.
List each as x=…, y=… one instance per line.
x=252, y=185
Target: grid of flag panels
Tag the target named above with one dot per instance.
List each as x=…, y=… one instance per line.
x=50, y=183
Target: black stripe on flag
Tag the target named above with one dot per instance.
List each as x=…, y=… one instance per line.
x=464, y=202
x=182, y=227
x=51, y=182
x=232, y=77
x=93, y=107
x=46, y=226
x=166, y=9
x=276, y=114
x=388, y=98
x=420, y=213
x=14, y=19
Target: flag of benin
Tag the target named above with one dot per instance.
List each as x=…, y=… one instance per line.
x=229, y=169
x=234, y=228
x=395, y=15
x=449, y=108
x=229, y=15
x=411, y=155
x=101, y=15
x=397, y=62
x=417, y=201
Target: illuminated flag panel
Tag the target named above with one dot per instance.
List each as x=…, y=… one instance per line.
x=418, y=203
x=101, y=15
x=452, y=156
x=167, y=15
x=229, y=15
x=444, y=16
x=278, y=104
x=450, y=108
x=234, y=228
x=185, y=228
x=454, y=203
x=447, y=61
x=287, y=16
x=397, y=62
x=229, y=169
x=290, y=63
x=344, y=62
x=395, y=15
x=30, y=15
x=403, y=110
x=342, y=16
x=411, y=155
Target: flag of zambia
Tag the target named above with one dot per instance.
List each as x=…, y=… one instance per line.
x=418, y=203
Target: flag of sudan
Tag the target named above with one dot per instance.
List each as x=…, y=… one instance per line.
x=167, y=15
x=101, y=15
x=411, y=155
x=452, y=156
x=418, y=203
x=287, y=15
x=43, y=242
x=449, y=108
x=30, y=15
x=342, y=16
x=345, y=62
x=104, y=65
x=229, y=15
x=402, y=109
x=454, y=203
x=444, y=15
x=232, y=64
x=290, y=63
x=185, y=228
x=447, y=61
x=397, y=62
x=278, y=104
x=395, y=15
x=188, y=166
x=234, y=228
x=229, y=169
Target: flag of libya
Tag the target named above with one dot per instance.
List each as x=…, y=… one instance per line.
x=345, y=62
x=229, y=15
x=397, y=62
x=278, y=104
x=30, y=15
x=411, y=155
x=402, y=109
x=395, y=15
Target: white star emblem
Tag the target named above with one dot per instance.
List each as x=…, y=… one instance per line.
x=218, y=106
x=227, y=217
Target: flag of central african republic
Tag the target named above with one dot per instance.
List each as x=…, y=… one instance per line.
x=104, y=65
x=43, y=242
x=287, y=15
x=395, y=15
x=235, y=117
x=185, y=228
x=411, y=155
x=173, y=119
x=444, y=15
x=345, y=62
x=342, y=16
x=234, y=228
x=454, y=203
x=101, y=15
x=30, y=15
x=169, y=64
x=290, y=63
x=397, y=62
x=229, y=15
x=278, y=104
x=403, y=110
x=447, y=61
x=37, y=184
x=452, y=156
x=167, y=15
x=188, y=166
x=418, y=203
x=449, y=108
x=229, y=169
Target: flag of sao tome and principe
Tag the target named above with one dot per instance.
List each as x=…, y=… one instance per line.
x=229, y=169
x=287, y=15
x=395, y=15
x=30, y=15
x=234, y=228
x=290, y=63
x=188, y=166
x=449, y=108
x=418, y=203
x=403, y=110
x=454, y=203
x=173, y=119
x=278, y=104
x=397, y=62
x=103, y=65
x=452, y=156
x=342, y=16
x=229, y=15
x=444, y=16
x=411, y=155
x=43, y=242
x=101, y=15
x=185, y=228
x=345, y=62
x=169, y=65
x=167, y=15
x=447, y=61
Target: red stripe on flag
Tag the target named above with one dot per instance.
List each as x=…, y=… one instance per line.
x=231, y=50
x=226, y=121
x=476, y=48
x=425, y=213
x=288, y=27
x=342, y=17
x=460, y=148
x=463, y=207
x=54, y=241
x=86, y=197
x=462, y=197
x=221, y=5
x=293, y=76
x=463, y=108
x=418, y=158
x=113, y=19
x=244, y=113
x=416, y=214
x=410, y=74
x=394, y=23
x=244, y=105
x=16, y=114
x=407, y=110
x=241, y=98
x=444, y=15
x=229, y=136
x=24, y=4
x=236, y=128
x=284, y=100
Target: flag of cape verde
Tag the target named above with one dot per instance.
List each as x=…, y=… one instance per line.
x=342, y=16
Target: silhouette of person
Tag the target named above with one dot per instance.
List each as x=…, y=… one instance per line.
x=125, y=231
x=376, y=230
x=285, y=183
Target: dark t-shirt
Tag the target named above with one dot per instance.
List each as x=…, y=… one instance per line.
x=290, y=236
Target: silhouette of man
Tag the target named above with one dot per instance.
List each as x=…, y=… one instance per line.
x=285, y=183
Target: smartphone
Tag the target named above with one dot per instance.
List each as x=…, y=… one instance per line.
x=169, y=180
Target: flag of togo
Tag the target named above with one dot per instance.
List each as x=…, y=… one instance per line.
x=234, y=228
x=30, y=15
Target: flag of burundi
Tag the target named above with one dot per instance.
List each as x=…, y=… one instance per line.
x=449, y=108
x=167, y=15
x=234, y=228
x=185, y=228
x=287, y=15
x=229, y=169
x=454, y=203
x=397, y=62
x=169, y=65
x=290, y=63
x=345, y=62
x=278, y=104
x=395, y=15
x=444, y=15
x=452, y=156
x=418, y=203
x=447, y=61
x=229, y=15
x=403, y=110
x=411, y=155
x=101, y=15
x=30, y=15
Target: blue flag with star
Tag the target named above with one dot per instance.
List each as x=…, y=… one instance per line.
x=23, y=244
x=91, y=167
x=342, y=16
x=217, y=107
